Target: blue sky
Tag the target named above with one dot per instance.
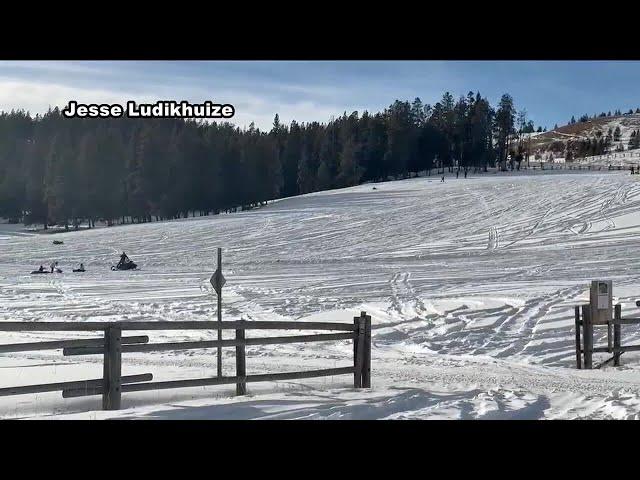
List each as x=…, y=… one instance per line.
x=550, y=91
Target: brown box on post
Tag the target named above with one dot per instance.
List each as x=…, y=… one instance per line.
x=601, y=302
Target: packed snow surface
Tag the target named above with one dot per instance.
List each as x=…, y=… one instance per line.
x=471, y=285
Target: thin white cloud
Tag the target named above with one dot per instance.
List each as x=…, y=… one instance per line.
x=38, y=97
x=52, y=66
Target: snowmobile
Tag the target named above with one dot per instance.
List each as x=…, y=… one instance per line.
x=125, y=263
x=124, y=266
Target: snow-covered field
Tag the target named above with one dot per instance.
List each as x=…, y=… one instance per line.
x=470, y=284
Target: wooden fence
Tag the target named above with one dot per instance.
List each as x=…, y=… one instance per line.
x=113, y=344
x=575, y=166
x=584, y=346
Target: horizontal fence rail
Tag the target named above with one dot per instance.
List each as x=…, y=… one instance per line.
x=55, y=345
x=188, y=325
x=113, y=345
x=203, y=382
x=160, y=347
x=81, y=384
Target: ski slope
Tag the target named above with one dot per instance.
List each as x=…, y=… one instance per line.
x=470, y=283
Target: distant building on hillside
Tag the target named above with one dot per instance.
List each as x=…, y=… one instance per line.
x=549, y=157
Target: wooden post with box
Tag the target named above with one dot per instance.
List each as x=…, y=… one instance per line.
x=601, y=312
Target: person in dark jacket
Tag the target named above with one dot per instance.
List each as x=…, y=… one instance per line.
x=123, y=259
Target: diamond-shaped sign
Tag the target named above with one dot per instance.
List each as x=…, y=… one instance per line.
x=218, y=281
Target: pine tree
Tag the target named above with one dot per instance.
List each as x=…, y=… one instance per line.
x=504, y=121
x=324, y=176
x=290, y=158
x=306, y=175
x=399, y=126
x=350, y=171
x=59, y=193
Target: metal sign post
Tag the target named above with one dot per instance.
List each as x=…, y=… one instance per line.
x=217, y=281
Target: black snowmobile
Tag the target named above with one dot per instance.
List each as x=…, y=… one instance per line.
x=125, y=266
x=125, y=263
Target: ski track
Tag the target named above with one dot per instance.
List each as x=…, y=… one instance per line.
x=471, y=286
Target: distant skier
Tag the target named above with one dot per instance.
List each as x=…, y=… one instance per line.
x=53, y=266
x=465, y=173
x=442, y=179
x=41, y=269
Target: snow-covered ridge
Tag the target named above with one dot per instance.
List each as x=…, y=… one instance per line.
x=588, y=129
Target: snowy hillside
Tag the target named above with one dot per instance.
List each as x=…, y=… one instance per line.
x=470, y=283
x=625, y=159
x=588, y=129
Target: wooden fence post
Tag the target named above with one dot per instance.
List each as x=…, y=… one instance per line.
x=112, y=388
x=366, y=366
x=219, y=351
x=578, y=346
x=587, y=329
x=616, y=336
x=358, y=351
x=241, y=368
